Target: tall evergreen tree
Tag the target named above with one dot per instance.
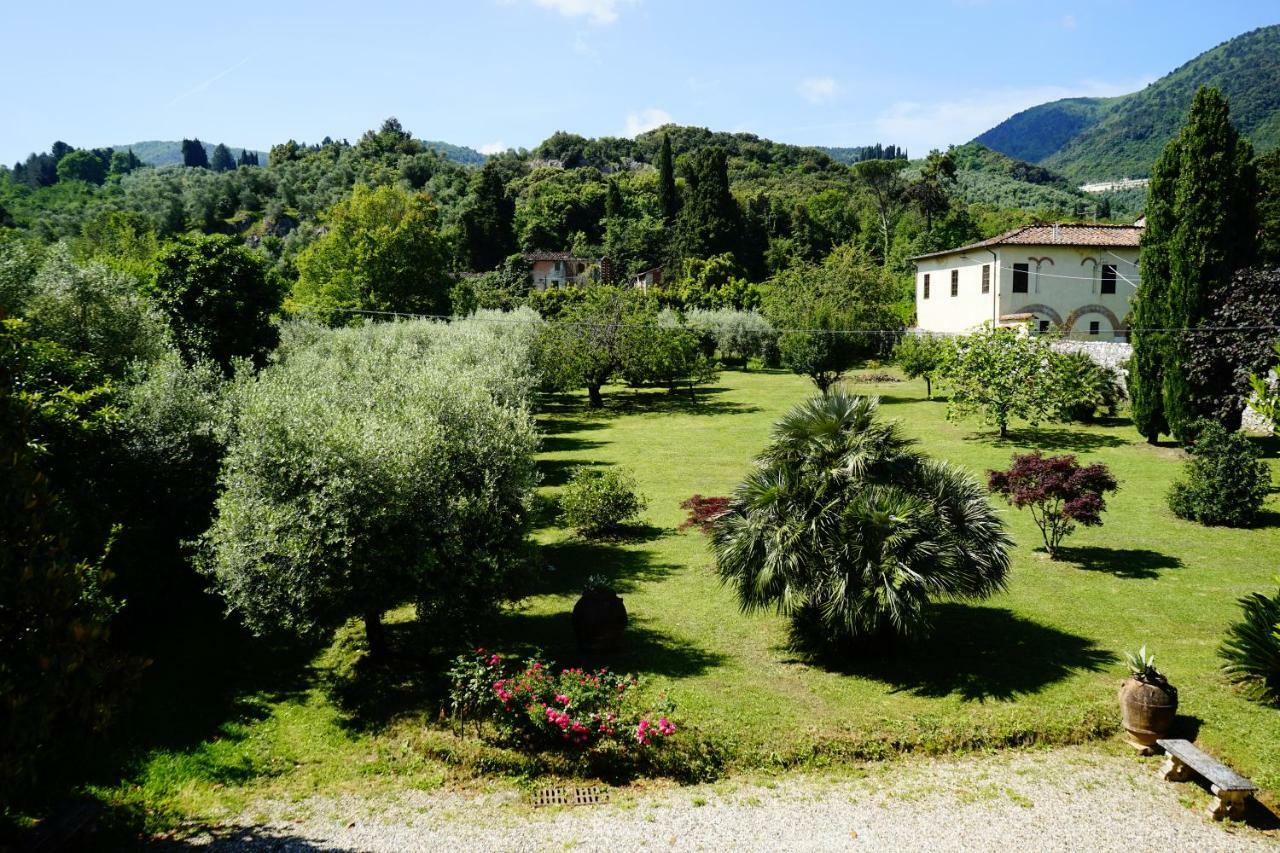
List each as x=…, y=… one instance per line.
x=668, y=194
x=710, y=221
x=222, y=161
x=1207, y=229
x=488, y=223
x=193, y=154
x=1150, y=305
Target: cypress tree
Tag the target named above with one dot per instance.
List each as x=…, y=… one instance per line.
x=193, y=154
x=1150, y=305
x=1201, y=228
x=488, y=223
x=710, y=222
x=1214, y=234
x=668, y=194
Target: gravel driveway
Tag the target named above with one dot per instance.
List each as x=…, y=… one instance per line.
x=1066, y=799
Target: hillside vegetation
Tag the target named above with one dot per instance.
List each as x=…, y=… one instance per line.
x=1104, y=138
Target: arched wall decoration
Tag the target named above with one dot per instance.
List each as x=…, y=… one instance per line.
x=1054, y=316
x=1038, y=262
x=1117, y=325
x=1093, y=275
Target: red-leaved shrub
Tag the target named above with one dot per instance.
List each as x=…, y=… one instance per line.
x=703, y=512
x=1059, y=491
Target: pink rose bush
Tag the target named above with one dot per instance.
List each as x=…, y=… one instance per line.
x=573, y=707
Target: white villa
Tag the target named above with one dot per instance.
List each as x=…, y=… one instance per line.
x=1075, y=279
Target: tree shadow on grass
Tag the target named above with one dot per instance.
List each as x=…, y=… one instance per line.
x=411, y=680
x=568, y=413
x=556, y=472
x=567, y=565
x=1052, y=439
x=255, y=837
x=646, y=650
x=980, y=653
x=1133, y=563
x=568, y=444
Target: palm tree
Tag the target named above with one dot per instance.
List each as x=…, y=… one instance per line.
x=848, y=529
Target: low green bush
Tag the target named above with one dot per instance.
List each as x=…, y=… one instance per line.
x=595, y=502
x=1252, y=648
x=1224, y=483
x=1087, y=387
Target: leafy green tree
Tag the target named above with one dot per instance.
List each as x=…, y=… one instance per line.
x=193, y=154
x=93, y=310
x=931, y=192
x=59, y=677
x=657, y=349
x=123, y=162
x=375, y=466
x=1210, y=202
x=668, y=192
x=710, y=220
x=584, y=347
x=884, y=186
x=1000, y=374
x=848, y=530
x=247, y=158
x=222, y=161
x=1269, y=209
x=84, y=165
x=921, y=356
x=383, y=252
x=488, y=222
x=217, y=298
x=831, y=315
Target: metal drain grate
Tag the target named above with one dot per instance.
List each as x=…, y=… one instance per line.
x=591, y=795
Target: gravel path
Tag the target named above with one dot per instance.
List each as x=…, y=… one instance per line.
x=1066, y=799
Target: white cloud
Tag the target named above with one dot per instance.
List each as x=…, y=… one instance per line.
x=922, y=126
x=818, y=90
x=639, y=122
x=595, y=11
x=1068, y=22
x=493, y=148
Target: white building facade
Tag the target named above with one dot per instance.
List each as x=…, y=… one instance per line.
x=1076, y=280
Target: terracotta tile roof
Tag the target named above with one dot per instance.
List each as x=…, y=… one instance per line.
x=554, y=256
x=1055, y=235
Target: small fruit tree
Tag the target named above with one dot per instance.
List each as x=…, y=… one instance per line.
x=1060, y=492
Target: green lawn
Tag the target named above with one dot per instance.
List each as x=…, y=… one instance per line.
x=1042, y=662
x=1038, y=664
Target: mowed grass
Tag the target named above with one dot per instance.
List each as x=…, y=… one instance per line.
x=1039, y=663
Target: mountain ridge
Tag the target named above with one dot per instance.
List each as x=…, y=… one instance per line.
x=1096, y=139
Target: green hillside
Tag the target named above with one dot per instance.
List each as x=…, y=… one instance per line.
x=1099, y=139
x=160, y=152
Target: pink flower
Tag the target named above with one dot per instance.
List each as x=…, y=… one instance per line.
x=562, y=699
x=494, y=660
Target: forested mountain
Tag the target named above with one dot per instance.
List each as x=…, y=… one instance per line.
x=1105, y=138
x=159, y=152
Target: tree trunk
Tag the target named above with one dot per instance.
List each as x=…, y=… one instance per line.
x=928, y=388
x=594, y=400
x=375, y=633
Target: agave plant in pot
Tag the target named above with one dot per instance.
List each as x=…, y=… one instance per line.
x=599, y=617
x=1148, y=702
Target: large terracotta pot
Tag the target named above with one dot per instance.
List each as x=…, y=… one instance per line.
x=599, y=621
x=1147, y=712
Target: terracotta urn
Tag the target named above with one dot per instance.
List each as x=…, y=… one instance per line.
x=599, y=621
x=1147, y=712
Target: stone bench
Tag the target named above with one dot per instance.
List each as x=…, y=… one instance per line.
x=1231, y=791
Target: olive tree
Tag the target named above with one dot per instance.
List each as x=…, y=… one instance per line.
x=999, y=374
x=374, y=466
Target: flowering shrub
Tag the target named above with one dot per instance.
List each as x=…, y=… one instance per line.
x=573, y=707
x=703, y=512
x=1058, y=490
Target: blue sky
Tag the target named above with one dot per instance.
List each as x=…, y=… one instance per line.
x=493, y=73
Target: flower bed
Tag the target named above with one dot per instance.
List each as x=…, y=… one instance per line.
x=573, y=707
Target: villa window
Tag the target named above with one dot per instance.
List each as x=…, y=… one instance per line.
x=1094, y=327
x=1108, y=278
x=1044, y=325
x=926, y=285
x=986, y=278
x=955, y=282
x=1021, y=276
